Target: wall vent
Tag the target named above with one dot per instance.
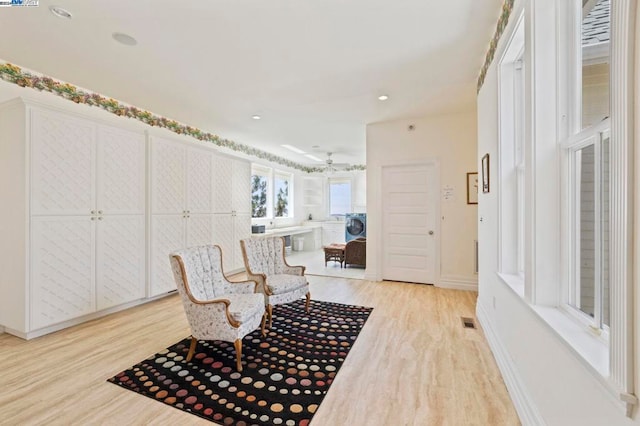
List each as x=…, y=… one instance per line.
x=468, y=322
x=475, y=256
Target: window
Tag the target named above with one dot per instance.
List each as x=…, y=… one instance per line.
x=589, y=215
x=587, y=166
x=260, y=188
x=271, y=193
x=339, y=196
x=512, y=155
x=282, y=189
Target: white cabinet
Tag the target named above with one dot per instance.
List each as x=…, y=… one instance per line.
x=332, y=232
x=232, y=222
x=182, y=205
x=82, y=217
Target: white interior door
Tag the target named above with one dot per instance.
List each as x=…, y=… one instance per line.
x=410, y=208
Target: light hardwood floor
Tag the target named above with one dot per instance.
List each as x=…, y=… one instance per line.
x=413, y=364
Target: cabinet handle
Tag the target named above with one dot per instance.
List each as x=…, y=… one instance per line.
x=93, y=212
x=99, y=217
x=93, y=218
x=99, y=211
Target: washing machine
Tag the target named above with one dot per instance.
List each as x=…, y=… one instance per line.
x=355, y=226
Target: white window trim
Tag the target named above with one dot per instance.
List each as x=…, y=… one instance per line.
x=619, y=376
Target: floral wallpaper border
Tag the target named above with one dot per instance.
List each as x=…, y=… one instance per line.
x=507, y=7
x=17, y=75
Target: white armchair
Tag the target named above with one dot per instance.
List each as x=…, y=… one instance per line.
x=277, y=280
x=216, y=308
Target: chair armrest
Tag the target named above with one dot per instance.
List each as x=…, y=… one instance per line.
x=204, y=304
x=294, y=270
x=242, y=287
x=261, y=283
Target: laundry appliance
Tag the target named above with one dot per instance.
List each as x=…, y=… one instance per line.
x=355, y=226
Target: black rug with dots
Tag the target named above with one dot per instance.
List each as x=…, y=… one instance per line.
x=285, y=374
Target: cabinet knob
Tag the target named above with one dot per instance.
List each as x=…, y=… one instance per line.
x=99, y=211
x=93, y=212
x=99, y=217
x=93, y=218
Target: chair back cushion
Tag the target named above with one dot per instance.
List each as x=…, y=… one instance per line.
x=264, y=255
x=203, y=270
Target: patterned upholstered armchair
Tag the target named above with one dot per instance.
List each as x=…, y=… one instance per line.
x=277, y=280
x=216, y=308
x=355, y=252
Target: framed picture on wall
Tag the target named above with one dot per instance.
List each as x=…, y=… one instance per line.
x=485, y=173
x=472, y=188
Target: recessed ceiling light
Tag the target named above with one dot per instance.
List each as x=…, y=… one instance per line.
x=60, y=12
x=256, y=117
x=315, y=146
x=293, y=148
x=314, y=158
x=383, y=97
x=125, y=39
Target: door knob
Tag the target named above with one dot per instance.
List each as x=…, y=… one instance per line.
x=430, y=232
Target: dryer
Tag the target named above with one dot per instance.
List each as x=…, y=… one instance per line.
x=355, y=226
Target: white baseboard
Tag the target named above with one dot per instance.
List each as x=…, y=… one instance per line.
x=459, y=283
x=525, y=407
x=76, y=321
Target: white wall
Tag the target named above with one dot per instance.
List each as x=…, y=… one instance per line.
x=451, y=139
x=547, y=380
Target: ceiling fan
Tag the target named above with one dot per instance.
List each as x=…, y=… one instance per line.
x=331, y=167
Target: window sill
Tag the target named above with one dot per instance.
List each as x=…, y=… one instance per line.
x=592, y=350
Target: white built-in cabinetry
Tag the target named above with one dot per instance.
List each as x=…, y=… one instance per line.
x=181, y=205
x=232, y=218
x=82, y=247
x=332, y=232
x=78, y=198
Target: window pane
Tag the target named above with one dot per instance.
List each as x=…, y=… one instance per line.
x=340, y=198
x=281, y=207
x=595, y=62
x=258, y=196
x=586, y=212
x=604, y=230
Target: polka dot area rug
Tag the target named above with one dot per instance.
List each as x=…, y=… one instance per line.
x=285, y=374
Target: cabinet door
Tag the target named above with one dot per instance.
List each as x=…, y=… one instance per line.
x=241, y=230
x=222, y=184
x=167, y=236
x=120, y=261
x=223, y=236
x=199, y=230
x=62, y=269
x=168, y=177
x=199, y=181
x=121, y=171
x=241, y=185
x=62, y=164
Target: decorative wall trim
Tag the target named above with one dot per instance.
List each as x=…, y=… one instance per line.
x=623, y=14
x=525, y=407
x=16, y=75
x=507, y=7
x=458, y=283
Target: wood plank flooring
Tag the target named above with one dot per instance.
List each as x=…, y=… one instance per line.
x=413, y=364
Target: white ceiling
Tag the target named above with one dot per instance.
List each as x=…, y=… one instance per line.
x=313, y=69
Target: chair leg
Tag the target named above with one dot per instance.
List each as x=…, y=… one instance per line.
x=308, y=302
x=270, y=312
x=238, y=346
x=192, y=348
x=264, y=323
